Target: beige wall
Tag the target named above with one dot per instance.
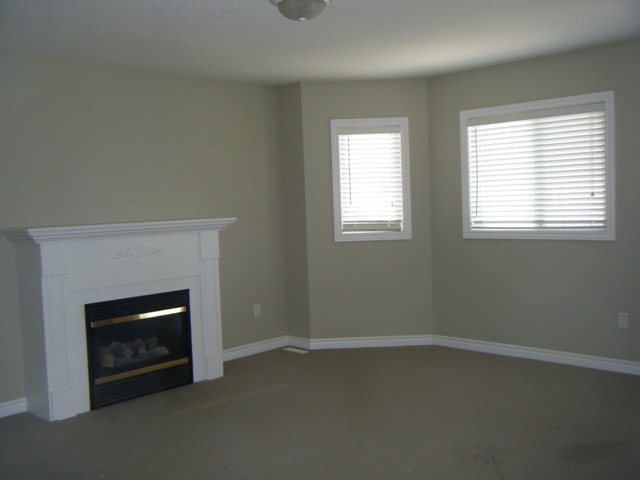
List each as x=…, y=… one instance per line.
x=295, y=211
x=561, y=295
x=88, y=144
x=84, y=144
x=366, y=288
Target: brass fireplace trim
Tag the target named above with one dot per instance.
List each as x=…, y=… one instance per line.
x=139, y=316
x=140, y=371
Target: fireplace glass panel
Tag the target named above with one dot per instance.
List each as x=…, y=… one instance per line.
x=137, y=346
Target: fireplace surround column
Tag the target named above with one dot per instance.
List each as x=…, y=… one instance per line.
x=61, y=269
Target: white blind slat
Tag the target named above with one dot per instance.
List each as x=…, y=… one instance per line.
x=371, y=179
x=545, y=172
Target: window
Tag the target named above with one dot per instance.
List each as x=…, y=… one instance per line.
x=371, y=179
x=540, y=169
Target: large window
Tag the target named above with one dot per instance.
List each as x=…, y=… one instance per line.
x=540, y=169
x=371, y=179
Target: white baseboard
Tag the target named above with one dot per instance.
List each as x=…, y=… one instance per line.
x=552, y=356
x=368, y=342
x=531, y=353
x=13, y=407
x=254, y=348
x=325, y=344
x=299, y=342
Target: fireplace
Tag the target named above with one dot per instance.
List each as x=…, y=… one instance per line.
x=137, y=346
x=66, y=272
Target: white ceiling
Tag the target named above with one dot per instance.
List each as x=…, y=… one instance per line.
x=248, y=40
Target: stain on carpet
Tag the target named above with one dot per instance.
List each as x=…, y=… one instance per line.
x=483, y=456
x=224, y=400
x=589, y=452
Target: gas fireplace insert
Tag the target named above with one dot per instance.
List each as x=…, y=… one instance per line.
x=137, y=346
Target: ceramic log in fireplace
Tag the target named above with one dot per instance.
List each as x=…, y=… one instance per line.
x=62, y=269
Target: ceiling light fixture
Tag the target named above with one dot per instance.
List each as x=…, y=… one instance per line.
x=300, y=10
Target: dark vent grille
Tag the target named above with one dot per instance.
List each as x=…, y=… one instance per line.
x=135, y=305
x=121, y=390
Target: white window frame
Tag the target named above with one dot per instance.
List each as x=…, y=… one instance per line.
x=369, y=125
x=539, y=109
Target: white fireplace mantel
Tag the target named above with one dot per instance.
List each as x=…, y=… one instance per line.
x=61, y=269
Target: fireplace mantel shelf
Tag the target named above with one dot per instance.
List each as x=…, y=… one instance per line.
x=42, y=234
x=62, y=269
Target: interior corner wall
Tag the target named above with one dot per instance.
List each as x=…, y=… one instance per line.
x=294, y=209
x=375, y=288
x=85, y=144
x=551, y=294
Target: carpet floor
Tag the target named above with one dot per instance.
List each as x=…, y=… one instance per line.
x=380, y=413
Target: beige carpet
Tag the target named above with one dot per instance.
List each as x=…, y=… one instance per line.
x=393, y=413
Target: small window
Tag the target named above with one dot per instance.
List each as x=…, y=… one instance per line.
x=371, y=179
x=540, y=169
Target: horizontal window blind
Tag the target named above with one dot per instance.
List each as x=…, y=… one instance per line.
x=371, y=179
x=542, y=173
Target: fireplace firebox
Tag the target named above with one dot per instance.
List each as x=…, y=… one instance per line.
x=137, y=346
